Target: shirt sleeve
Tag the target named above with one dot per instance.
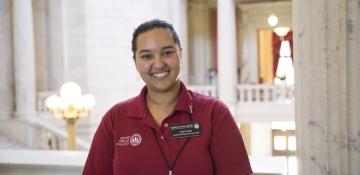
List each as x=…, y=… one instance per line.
x=99, y=160
x=227, y=146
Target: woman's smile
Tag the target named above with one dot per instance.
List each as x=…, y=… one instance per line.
x=160, y=75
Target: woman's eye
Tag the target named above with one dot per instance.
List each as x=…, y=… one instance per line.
x=145, y=56
x=167, y=53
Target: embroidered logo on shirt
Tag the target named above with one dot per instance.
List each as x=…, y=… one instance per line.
x=133, y=140
x=123, y=141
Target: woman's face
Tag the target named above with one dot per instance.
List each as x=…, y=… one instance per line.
x=158, y=60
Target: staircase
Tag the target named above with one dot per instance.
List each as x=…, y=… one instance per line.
x=6, y=143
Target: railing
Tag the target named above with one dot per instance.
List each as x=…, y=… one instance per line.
x=37, y=133
x=264, y=103
x=52, y=137
x=256, y=93
x=264, y=93
x=258, y=102
x=208, y=90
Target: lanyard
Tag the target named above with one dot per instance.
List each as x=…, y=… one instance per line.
x=171, y=166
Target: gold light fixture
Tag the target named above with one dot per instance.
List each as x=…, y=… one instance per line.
x=70, y=106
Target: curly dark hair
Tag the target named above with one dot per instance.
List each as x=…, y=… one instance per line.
x=152, y=24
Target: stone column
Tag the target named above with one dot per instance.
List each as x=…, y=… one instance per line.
x=197, y=34
x=6, y=62
x=180, y=20
x=55, y=46
x=24, y=58
x=327, y=86
x=226, y=28
x=40, y=33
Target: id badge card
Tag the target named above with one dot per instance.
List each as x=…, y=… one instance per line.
x=186, y=130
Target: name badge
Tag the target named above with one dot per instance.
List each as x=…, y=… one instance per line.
x=186, y=130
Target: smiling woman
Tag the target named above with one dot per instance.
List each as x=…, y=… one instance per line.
x=157, y=60
x=167, y=129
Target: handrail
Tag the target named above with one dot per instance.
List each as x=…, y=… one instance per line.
x=80, y=143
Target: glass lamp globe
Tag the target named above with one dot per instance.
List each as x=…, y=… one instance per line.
x=52, y=102
x=89, y=100
x=273, y=20
x=70, y=90
x=281, y=31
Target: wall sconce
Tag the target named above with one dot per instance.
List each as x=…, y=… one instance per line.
x=70, y=106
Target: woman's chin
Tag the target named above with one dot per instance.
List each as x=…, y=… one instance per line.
x=162, y=87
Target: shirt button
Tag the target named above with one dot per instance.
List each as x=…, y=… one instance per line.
x=162, y=137
x=166, y=125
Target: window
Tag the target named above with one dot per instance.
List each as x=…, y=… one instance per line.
x=284, y=144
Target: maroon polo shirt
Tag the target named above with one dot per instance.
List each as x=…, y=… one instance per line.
x=129, y=142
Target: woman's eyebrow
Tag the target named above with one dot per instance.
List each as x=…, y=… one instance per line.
x=145, y=51
x=168, y=47
x=149, y=51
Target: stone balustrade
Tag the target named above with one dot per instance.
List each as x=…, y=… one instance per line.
x=258, y=102
x=42, y=162
x=38, y=133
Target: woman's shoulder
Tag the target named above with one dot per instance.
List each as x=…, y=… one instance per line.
x=123, y=108
x=126, y=103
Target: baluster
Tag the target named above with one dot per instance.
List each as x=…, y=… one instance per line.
x=271, y=93
x=260, y=95
x=243, y=94
x=237, y=94
x=266, y=94
x=254, y=94
x=247, y=94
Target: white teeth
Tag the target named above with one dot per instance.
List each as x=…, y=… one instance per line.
x=160, y=74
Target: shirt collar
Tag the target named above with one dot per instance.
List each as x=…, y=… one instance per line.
x=139, y=108
x=184, y=102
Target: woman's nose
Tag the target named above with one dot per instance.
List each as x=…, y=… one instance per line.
x=158, y=62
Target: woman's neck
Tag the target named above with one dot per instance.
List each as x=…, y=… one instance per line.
x=163, y=99
x=162, y=104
